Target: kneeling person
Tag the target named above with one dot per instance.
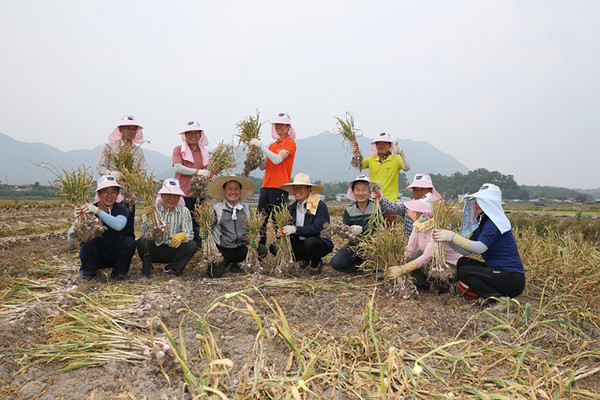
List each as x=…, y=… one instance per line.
x=177, y=248
x=230, y=231
x=309, y=214
x=113, y=249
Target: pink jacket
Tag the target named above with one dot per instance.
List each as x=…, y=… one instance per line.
x=423, y=241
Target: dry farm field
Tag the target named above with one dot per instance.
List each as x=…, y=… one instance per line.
x=292, y=336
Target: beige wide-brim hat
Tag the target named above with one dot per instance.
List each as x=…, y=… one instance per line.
x=302, y=180
x=217, y=190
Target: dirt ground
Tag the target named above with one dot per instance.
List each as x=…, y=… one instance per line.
x=330, y=306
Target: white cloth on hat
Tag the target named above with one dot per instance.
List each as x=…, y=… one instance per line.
x=489, y=198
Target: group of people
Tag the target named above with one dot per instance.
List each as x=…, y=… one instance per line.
x=500, y=274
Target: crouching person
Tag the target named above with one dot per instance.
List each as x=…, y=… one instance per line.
x=358, y=216
x=308, y=214
x=176, y=248
x=230, y=231
x=113, y=249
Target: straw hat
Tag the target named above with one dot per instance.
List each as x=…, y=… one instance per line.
x=171, y=186
x=217, y=189
x=302, y=180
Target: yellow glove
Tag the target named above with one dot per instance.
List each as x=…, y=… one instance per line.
x=177, y=239
x=461, y=241
x=397, y=270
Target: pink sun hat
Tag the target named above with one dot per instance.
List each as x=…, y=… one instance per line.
x=382, y=137
x=127, y=120
x=422, y=205
x=360, y=178
x=285, y=119
x=186, y=152
x=108, y=181
x=424, y=181
x=170, y=186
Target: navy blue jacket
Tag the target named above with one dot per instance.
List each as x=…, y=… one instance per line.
x=313, y=224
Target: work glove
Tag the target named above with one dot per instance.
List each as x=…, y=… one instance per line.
x=78, y=211
x=396, y=149
x=377, y=195
x=354, y=147
x=444, y=235
x=90, y=208
x=203, y=172
x=288, y=230
x=397, y=270
x=356, y=229
x=204, y=234
x=177, y=239
x=116, y=174
x=254, y=142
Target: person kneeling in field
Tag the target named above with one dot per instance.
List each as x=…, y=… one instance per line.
x=358, y=216
x=308, y=214
x=177, y=248
x=113, y=249
x=419, y=249
x=420, y=186
x=502, y=273
x=230, y=231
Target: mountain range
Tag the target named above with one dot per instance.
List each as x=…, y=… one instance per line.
x=324, y=157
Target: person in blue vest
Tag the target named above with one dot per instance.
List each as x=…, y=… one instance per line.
x=113, y=249
x=309, y=213
x=501, y=274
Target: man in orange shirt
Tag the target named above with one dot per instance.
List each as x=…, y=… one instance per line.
x=277, y=166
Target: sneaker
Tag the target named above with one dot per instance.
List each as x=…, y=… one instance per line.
x=119, y=277
x=304, y=264
x=87, y=277
x=235, y=268
x=216, y=269
x=317, y=270
x=171, y=272
x=146, y=274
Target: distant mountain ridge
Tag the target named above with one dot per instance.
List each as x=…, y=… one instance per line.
x=324, y=157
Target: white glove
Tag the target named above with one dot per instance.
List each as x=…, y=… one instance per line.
x=288, y=230
x=254, y=142
x=116, y=174
x=203, y=172
x=443, y=235
x=396, y=149
x=89, y=207
x=356, y=229
x=78, y=210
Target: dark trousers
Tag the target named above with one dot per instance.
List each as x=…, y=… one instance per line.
x=489, y=282
x=346, y=260
x=175, y=258
x=95, y=254
x=238, y=254
x=268, y=200
x=312, y=248
x=130, y=225
x=190, y=203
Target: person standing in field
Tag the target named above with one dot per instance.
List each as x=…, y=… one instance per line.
x=384, y=163
x=501, y=274
x=420, y=186
x=278, y=164
x=128, y=133
x=113, y=249
x=190, y=159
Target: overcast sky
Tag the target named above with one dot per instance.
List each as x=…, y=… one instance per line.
x=512, y=86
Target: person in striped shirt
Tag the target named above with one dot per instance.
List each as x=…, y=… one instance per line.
x=176, y=248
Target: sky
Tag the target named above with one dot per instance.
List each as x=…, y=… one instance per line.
x=511, y=86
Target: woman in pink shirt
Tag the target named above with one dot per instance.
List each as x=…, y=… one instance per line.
x=190, y=159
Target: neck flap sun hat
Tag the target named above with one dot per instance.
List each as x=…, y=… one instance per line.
x=360, y=178
x=217, y=186
x=302, y=179
x=186, y=151
x=170, y=186
x=127, y=120
x=382, y=137
x=424, y=181
x=489, y=198
x=285, y=119
x=108, y=181
x=423, y=205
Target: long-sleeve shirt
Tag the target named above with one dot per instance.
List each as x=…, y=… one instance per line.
x=400, y=209
x=423, y=242
x=115, y=221
x=179, y=220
